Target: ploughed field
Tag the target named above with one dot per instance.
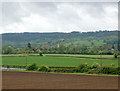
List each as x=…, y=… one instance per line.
x=58, y=60
x=34, y=80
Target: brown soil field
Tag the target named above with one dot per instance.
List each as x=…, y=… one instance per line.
x=37, y=80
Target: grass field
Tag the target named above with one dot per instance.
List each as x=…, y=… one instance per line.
x=55, y=61
x=78, y=55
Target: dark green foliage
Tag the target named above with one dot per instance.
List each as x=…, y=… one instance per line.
x=32, y=67
x=29, y=45
x=64, y=70
x=118, y=69
x=62, y=49
x=44, y=69
x=83, y=68
x=19, y=40
x=109, y=70
x=95, y=65
x=113, y=65
x=92, y=43
x=115, y=55
x=62, y=67
x=94, y=70
x=40, y=54
x=8, y=50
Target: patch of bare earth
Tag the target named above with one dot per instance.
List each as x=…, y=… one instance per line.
x=34, y=80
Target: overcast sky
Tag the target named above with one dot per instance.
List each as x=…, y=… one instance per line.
x=58, y=17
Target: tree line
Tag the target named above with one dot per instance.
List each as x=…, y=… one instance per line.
x=106, y=49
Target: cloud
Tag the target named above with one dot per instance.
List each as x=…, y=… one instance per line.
x=59, y=17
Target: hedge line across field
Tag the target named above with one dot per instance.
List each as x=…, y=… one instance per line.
x=82, y=68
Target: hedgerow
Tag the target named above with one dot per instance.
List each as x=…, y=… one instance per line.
x=44, y=69
x=81, y=68
x=32, y=67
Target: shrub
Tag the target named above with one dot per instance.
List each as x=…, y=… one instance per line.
x=91, y=71
x=94, y=70
x=95, y=65
x=115, y=55
x=64, y=70
x=32, y=67
x=109, y=70
x=105, y=70
x=113, y=65
x=118, y=69
x=44, y=69
x=40, y=54
x=82, y=68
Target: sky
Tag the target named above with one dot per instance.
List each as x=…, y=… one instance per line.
x=58, y=17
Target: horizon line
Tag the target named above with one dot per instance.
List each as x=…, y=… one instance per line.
x=60, y=32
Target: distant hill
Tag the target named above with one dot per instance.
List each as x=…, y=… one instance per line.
x=19, y=40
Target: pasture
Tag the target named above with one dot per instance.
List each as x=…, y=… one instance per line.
x=79, y=55
x=56, y=61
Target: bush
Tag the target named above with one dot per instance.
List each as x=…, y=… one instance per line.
x=118, y=69
x=44, y=69
x=109, y=70
x=115, y=55
x=64, y=70
x=91, y=71
x=40, y=54
x=82, y=68
x=105, y=70
x=95, y=65
x=32, y=67
x=113, y=65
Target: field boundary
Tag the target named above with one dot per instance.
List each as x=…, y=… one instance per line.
x=78, y=74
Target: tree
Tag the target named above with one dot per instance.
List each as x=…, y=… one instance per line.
x=92, y=43
x=61, y=48
x=29, y=45
x=7, y=50
x=40, y=54
x=115, y=55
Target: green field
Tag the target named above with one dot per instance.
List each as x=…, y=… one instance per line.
x=55, y=61
x=78, y=55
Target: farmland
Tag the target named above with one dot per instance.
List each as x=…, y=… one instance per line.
x=84, y=56
x=35, y=80
x=59, y=45
x=58, y=61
